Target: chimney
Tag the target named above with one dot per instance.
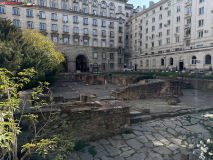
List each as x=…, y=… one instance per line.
x=151, y=3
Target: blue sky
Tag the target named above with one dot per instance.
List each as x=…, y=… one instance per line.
x=141, y=2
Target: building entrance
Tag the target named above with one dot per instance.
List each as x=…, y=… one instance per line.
x=81, y=64
x=180, y=66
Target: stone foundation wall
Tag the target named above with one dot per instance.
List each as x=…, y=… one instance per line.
x=124, y=80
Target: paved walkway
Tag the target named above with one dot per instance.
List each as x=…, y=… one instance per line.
x=162, y=139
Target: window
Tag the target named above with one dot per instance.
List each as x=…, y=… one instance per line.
x=103, y=43
x=146, y=45
x=161, y=8
x=120, y=29
x=189, y=9
x=75, y=41
x=194, y=60
x=54, y=27
x=208, y=59
x=94, y=22
x=94, y=3
x=65, y=40
x=154, y=62
x=16, y=11
x=178, y=19
x=103, y=33
x=55, y=39
x=146, y=30
x=168, y=32
x=147, y=63
x=127, y=14
x=41, y=3
x=85, y=10
x=178, y=29
x=188, y=21
x=162, y=62
x=160, y=25
x=135, y=34
x=146, y=22
x=94, y=12
x=153, y=11
x=85, y=31
x=65, y=18
x=111, y=55
x=146, y=38
x=95, y=55
x=178, y=9
x=171, y=61
x=153, y=44
x=42, y=15
x=147, y=14
x=103, y=5
x=29, y=13
x=94, y=32
x=135, y=41
x=111, y=24
x=168, y=22
x=120, y=20
x=200, y=46
x=201, y=1
x=16, y=23
x=160, y=42
x=75, y=9
x=65, y=28
x=75, y=30
x=111, y=44
x=167, y=41
x=111, y=14
x=103, y=55
x=1, y=9
x=153, y=36
x=153, y=19
x=42, y=26
x=160, y=16
x=53, y=5
x=168, y=13
x=111, y=65
x=84, y=1
x=103, y=13
x=103, y=24
x=75, y=19
x=188, y=43
x=153, y=28
x=111, y=34
x=53, y=16
x=160, y=34
x=111, y=6
x=200, y=34
x=177, y=39
x=119, y=8
x=65, y=7
x=95, y=43
x=169, y=4
x=201, y=10
x=29, y=24
x=201, y=22
x=85, y=42
x=85, y=21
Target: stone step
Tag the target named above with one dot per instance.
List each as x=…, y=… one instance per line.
x=135, y=114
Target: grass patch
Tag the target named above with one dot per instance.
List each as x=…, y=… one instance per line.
x=80, y=146
x=92, y=151
x=129, y=132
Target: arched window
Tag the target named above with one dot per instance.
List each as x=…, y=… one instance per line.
x=147, y=63
x=154, y=62
x=194, y=60
x=141, y=63
x=103, y=13
x=208, y=59
x=120, y=20
x=171, y=61
x=111, y=6
x=162, y=62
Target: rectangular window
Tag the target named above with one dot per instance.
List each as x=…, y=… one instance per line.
x=111, y=34
x=188, y=43
x=177, y=39
x=64, y=7
x=54, y=27
x=75, y=30
x=95, y=55
x=94, y=32
x=85, y=31
x=103, y=43
x=146, y=22
x=75, y=9
x=55, y=39
x=178, y=29
x=85, y=42
x=153, y=44
x=111, y=55
x=188, y=21
x=111, y=65
x=94, y=22
x=200, y=34
x=160, y=16
x=169, y=13
x=16, y=11
x=169, y=4
x=85, y=21
x=201, y=10
x=146, y=30
x=168, y=41
x=120, y=29
x=178, y=19
x=29, y=13
x=153, y=11
x=94, y=12
x=103, y=33
x=65, y=40
x=41, y=3
x=1, y=9
x=95, y=43
x=111, y=14
x=201, y=22
x=160, y=42
x=168, y=32
x=153, y=28
x=160, y=34
x=146, y=38
x=30, y=24
x=153, y=19
x=146, y=45
x=168, y=22
x=111, y=44
x=103, y=24
x=178, y=9
x=85, y=10
x=76, y=41
x=65, y=28
x=16, y=23
x=201, y=1
x=135, y=34
x=189, y=9
x=75, y=19
x=153, y=36
x=53, y=5
x=42, y=15
x=119, y=8
x=53, y=16
x=42, y=26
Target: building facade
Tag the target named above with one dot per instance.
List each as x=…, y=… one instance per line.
x=172, y=34
x=91, y=34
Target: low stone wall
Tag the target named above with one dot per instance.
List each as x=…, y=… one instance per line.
x=200, y=84
x=151, y=89
x=124, y=80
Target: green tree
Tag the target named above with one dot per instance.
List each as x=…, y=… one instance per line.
x=46, y=137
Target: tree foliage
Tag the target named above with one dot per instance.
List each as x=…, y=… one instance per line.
x=30, y=49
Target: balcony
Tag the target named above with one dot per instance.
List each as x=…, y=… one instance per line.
x=189, y=14
x=187, y=25
x=188, y=3
x=187, y=36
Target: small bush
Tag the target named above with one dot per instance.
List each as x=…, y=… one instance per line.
x=80, y=146
x=92, y=151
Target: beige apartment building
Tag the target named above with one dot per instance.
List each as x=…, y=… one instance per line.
x=91, y=34
x=172, y=33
